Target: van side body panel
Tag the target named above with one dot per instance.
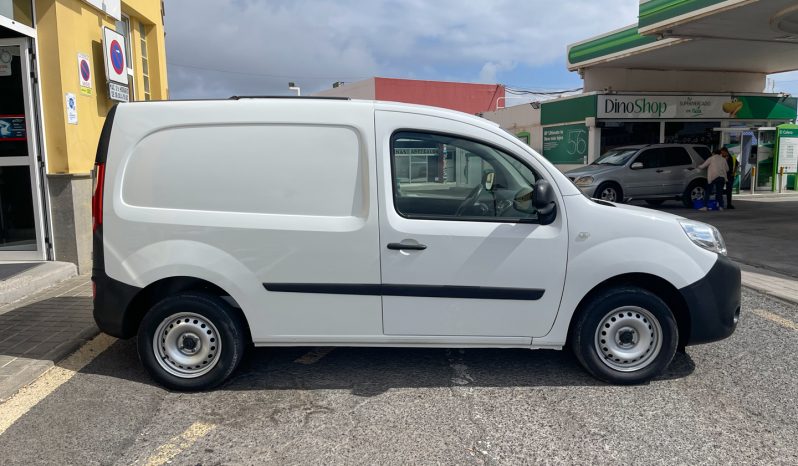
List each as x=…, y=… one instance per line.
x=210, y=190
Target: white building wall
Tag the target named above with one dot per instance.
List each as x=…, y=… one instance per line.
x=517, y=119
x=365, y=89
x=633, y=80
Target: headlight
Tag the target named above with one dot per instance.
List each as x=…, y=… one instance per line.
x=583, y=181
x=706, y=236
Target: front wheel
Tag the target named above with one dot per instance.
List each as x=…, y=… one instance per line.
x=609, y=192
x=625, y=335
x=694, y=192
x=192, y=341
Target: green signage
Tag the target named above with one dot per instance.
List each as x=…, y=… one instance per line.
x=565, y=144
x=656, y=11
x=567, y=110
x=786, y=154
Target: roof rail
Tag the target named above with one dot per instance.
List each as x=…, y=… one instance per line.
x=239, y=97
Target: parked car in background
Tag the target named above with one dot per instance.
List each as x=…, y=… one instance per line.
x=653, y=172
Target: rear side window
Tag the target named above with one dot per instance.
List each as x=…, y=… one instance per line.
x=674, y=157
x=703, y=151
x=263, y=169
x=649, y=158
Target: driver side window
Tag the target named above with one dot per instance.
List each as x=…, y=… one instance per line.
x=443, y=177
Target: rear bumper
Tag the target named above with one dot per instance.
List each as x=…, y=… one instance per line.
x=714, y=303
x=112, y=298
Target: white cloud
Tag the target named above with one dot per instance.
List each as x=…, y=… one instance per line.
x=263, y=44
x=784, y=82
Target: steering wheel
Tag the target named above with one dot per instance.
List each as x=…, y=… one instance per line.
x=470, y=200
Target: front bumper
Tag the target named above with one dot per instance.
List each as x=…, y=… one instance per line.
x=714, y=302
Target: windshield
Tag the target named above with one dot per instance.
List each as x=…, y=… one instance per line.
x=616, y=157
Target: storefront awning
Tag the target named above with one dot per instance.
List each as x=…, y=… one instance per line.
x=757, y=36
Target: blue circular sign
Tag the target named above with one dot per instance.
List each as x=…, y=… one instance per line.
x=117, y=57
x=85, y=72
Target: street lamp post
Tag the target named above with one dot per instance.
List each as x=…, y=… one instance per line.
x=293, y=87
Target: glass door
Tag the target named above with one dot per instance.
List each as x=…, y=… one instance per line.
x=21, y=235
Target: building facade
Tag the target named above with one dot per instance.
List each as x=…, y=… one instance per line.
x=63, y=65
x=464, y=97
x=690, y=71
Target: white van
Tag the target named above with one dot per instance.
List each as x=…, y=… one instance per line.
x=329, y=222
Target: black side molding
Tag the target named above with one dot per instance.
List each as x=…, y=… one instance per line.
x=422, y=291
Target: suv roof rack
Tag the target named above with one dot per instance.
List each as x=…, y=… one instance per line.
x=311, y=97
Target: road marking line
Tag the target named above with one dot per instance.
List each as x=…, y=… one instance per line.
x=787, y=323
x=29, y=396
x=179, y=443
x=313, y=356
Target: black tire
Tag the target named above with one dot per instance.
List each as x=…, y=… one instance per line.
x=616, y=310
x=605, y=189
x=207, y=320
x=687, y=195
x=655, y=202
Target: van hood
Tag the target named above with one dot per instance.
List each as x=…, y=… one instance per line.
x=591, y=170
x=650, y=213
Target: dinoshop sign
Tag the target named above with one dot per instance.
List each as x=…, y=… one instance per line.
x=669, y=106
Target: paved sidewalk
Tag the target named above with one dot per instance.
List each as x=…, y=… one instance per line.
x=42, y=329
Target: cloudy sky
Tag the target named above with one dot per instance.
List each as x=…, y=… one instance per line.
x=219, y=48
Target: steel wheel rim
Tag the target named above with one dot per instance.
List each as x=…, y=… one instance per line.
x=697, y=193
x=628, y=338
x=187, y=345
x=609, y=194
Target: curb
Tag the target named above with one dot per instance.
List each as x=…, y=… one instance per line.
x=772, y=294
x=34, y=280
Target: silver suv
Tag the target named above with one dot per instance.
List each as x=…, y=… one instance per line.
x=654, y=172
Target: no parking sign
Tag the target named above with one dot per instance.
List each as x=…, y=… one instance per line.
x=84, y=74
x=115, y=64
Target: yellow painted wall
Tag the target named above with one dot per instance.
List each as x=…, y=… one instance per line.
x=66, y=28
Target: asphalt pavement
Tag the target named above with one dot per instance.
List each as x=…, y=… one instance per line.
x=732, y=401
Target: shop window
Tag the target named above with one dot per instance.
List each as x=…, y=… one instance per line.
x=692, y=132
x=145, y=63
x=20, y=11
x=616, y=134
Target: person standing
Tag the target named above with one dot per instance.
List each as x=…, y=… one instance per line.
x=730, y=175
x=717, y=168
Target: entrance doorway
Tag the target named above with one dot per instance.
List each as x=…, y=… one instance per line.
x=753, y=148
x=21, y=226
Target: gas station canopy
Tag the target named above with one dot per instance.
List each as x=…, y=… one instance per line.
x=756, y=36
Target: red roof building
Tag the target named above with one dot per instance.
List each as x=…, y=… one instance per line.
x=465, y=97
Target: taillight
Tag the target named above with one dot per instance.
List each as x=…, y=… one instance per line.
x=97, y=197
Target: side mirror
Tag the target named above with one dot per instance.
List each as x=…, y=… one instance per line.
x=637, y=165
x=539, y=199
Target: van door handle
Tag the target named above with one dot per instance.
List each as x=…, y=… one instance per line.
x=660, y=170
x=400, y=246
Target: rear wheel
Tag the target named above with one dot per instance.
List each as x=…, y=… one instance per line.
x=694, y=192
x=625, y=335
x=609, y=191
x=192, y=341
